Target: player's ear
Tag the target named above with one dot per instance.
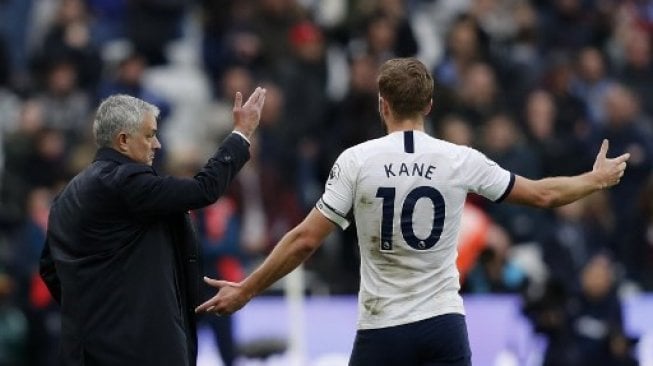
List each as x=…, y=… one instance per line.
x=428, y=108
x=384, y=107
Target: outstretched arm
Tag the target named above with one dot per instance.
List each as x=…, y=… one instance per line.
x=292, y=250
x=559, y=191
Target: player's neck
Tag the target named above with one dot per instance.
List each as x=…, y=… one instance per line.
x=405, y=125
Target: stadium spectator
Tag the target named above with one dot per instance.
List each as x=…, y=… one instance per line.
x=592, y=83
x=502, y=142
x=565, y=25
x=109, y=16
x=636, y=72
x=571, y=111
x=467, y=45
x=556, y=152
x=629, y=129
x=152, y=24
x=478, y=97
x=20, y=147
x=354, y=118
x=596, y=312
x=67, y=107
x=230, y=38
x=570, y=240
x=303, y=78
x=71, y=39
x=640, y=240
x=495, y=272
x=456, y=129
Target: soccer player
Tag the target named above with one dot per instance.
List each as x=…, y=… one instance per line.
x=407, y=192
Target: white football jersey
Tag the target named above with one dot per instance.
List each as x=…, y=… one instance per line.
x=407, y=191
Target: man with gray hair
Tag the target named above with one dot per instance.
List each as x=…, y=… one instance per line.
x=121, y=256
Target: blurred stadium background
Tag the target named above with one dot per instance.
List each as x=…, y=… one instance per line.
x=534, y=84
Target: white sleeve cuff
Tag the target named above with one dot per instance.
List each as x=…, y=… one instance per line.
x=241, y=135
x=332, y=214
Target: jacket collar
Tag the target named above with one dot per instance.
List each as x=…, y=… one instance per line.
x=107, y=153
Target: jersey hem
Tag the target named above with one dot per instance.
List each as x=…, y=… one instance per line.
x=413, y=319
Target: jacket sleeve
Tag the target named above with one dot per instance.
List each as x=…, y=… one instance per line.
x=147, y=193
x=48, y=273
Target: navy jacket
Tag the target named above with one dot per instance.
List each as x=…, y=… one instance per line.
x=121, y=258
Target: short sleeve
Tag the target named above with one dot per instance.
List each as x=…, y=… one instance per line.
x=486, y=177
x=338, y=196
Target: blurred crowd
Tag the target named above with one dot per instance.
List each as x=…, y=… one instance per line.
x=535, y=85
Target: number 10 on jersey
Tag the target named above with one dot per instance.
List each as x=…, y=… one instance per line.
x=406, y=219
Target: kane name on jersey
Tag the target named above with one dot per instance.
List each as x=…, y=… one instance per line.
x=409, y=170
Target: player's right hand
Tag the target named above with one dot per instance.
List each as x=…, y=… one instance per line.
x=229, y=299
x=609, y=171
x=247, y=116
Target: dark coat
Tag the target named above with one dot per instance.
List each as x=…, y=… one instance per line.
x=121, y=257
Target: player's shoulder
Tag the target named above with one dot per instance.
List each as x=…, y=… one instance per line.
x=434, y=144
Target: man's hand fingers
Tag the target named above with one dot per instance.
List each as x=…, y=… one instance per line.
x=207, y=306
x=253, y=99
x=238, y=102
x=220, y=283
x=622, y=158
x=622, y=166
x=261, y=98
x=604, y=148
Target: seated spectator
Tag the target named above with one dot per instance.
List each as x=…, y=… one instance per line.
x=558, y=154
x=641, y=240
x=503, y=143
x=592, y=83
x=597, y=312
x=628, y=130
x=67, y=107
x=71, y=39
x=457, y=130
x=494, y=272
x=577, y=232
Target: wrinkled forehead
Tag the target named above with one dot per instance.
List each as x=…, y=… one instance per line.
x=149, y=122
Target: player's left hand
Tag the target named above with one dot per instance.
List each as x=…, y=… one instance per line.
x=229, y=299
x=609, y=171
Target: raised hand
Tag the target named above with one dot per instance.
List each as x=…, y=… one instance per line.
x=609, y=171
x=229, y=299
x=247, y=116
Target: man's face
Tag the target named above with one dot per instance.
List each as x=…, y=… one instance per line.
x=142, y=145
